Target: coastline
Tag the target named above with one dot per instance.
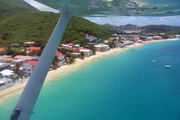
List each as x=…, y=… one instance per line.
x=54, y=74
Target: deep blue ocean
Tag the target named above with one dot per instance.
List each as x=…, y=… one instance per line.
x=124, y=86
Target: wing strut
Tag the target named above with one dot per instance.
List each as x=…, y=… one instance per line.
x=27, y=100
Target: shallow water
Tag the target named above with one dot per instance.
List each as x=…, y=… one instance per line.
x=127, y=86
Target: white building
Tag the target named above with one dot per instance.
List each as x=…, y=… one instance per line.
x=29, y=66
x=7, y=73
x=5, y=83
x=4, y=66
x=87, y=52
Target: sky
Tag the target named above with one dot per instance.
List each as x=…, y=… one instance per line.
x=119, y=20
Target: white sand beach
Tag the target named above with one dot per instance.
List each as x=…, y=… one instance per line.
x=53, y=74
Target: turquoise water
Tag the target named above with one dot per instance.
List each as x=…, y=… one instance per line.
x=162, y=2
x=125, y=86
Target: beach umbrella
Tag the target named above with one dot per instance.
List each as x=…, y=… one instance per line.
x=69, y=8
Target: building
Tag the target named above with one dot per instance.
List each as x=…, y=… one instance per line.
x=4, y=66
x=29, y=66
x=1, y=49
x=5, y=83
x=61, y=58
x=33, y=48
x=29, y=43
x=101, y=47
x=87, y=52
x=6, y=60
x=7, y=73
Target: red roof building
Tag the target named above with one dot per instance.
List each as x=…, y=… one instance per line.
x=33, y=48
x=29, y=66
x=60, y=47
x=32, y=62
x=58, y=54
x=70, y=44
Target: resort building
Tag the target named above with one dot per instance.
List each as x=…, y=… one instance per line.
x=7, y=73
x=87, y=52
x=4, y=66
x=61, y=58
x=6, y=60
x=29, y=66
x=33, y=48
x=5, y=83
x=101, y=47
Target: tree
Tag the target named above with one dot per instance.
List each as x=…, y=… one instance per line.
x=82, y=55
x=55, y=61
x=21, y=76
x=18, y=65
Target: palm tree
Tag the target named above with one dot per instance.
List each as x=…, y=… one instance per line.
x=82, y=55
x=55, y=61
x=18, y=65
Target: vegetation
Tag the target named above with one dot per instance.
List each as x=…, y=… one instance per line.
x=91, y=47
x=31, y=25
x=69, y=59
x=55, y=61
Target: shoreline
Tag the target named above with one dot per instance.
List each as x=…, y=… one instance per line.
x=57, y=73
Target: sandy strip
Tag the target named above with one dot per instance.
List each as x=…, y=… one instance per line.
x=53, y=74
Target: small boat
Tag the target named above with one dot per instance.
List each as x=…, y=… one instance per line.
x=167, y=66
x=154, y=61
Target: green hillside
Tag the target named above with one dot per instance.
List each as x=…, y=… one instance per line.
x=12, y=7
x=160, y=28
x=32, y=26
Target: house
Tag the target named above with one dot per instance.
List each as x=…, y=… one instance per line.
x=33, y=48
x=7, y=73
x=77, y=46
x=70, y=44
x=61, y=58
x=61, y=47
x=177, y=36
x=1, y=49
x=29, y=66
x=87, y=52
x=5, y=83
x=6, y=60
x=74, y=49
x=14, y=44
x=4, y=66
x=29, y=43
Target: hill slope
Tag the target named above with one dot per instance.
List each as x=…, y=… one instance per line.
x=12, y=7
x=32, y=26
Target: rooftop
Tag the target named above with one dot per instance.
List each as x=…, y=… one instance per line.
x=30, y=62
x=34, y=48
x=7, y=59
